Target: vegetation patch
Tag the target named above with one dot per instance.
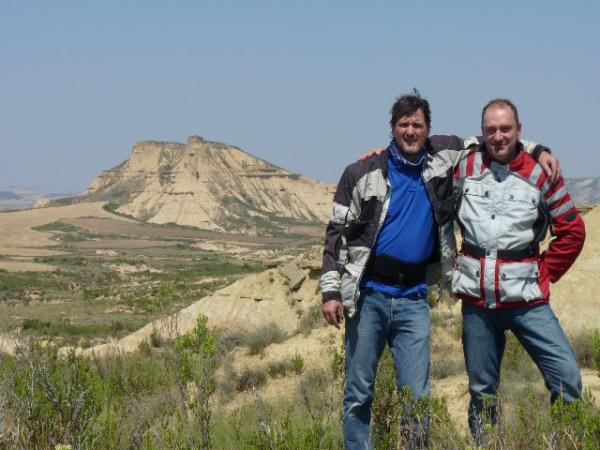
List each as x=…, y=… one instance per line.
x=586, y=345
x=59, y=225
x=261, y=338
x=66, y=328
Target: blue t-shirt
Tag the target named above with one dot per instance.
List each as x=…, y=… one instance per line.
x=409, y=230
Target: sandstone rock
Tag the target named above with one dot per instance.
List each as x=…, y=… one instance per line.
x=209, y=185
x=293, y=274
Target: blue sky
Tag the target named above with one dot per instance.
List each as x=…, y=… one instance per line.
x=305, y=85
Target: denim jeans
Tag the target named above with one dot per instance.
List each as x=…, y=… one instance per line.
x=404, y=325
x=539, y=331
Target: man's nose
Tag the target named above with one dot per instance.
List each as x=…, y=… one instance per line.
x=498, y=136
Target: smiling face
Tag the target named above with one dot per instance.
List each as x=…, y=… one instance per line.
x=410, y=133
x=501, y=132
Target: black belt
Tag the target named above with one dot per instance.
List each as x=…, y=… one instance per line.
x=388, y=270
x=473, y=250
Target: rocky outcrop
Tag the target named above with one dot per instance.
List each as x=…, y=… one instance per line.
x=282, y=296
x=209, y=185
x=584, y=191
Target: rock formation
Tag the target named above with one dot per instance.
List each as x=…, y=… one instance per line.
x=211, y=186
x=584, y=191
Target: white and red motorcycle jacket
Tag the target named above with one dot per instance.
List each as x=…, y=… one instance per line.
x=504, y=212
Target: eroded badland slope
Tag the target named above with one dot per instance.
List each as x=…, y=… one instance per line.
x=210, y=185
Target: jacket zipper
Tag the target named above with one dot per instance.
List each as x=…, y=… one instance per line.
x=384, y=209
x=440, y=284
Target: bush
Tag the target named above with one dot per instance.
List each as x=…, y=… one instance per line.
x=258, y=340
x=283, y=367
x=446, y=367
x=250, y=379
x=155, y=339
x=229, y=341
x=586, y=345
x=312, y=319
x=54, y=400
x=65, y=328
x=279, y=368
x=297, y=363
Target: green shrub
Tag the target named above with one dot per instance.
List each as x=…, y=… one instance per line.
x=596, y=345
x=155, y=338
x=297, y=363
x=258, y=340
x=54, y=400
x=230, y=340
x=229, y=382
x=250, y=379
x=446, y=367
x=145, y=348
x=279, y=368
x=286, y=426
x=93, y=294
x=65, y=327
x=586, y=345
x=59, y=225
x=193, y=359
x=311, y=319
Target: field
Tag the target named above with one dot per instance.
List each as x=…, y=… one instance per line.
x=107, y=346
x=81, y=275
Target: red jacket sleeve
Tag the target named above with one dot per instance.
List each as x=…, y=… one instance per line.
x=567, y=227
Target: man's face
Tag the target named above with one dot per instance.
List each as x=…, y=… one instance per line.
x=501, y=132
x=410, y=133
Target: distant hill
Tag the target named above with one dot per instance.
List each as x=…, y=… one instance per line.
x=210, y=185
x=9, y=195
x=24, y=198
x=584, y=191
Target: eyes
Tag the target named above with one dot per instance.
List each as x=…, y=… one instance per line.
x=493, y=130
x=416, y=126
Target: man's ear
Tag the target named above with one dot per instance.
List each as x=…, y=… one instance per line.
x=519, y=131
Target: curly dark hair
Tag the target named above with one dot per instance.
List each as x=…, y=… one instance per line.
x=409, y=104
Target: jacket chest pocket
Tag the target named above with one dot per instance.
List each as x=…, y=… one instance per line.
x=522, y=207
x=518, y=281
x=523, y=199
x=475, y=199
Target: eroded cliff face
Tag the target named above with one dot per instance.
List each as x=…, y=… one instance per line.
x=211, y=186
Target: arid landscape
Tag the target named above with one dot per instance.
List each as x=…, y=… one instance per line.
x=181, y=336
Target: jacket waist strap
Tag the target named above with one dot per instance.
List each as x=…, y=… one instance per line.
x=389, y=270
x=476, y=251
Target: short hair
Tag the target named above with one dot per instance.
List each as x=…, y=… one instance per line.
x=500, y=102
x=409, y=104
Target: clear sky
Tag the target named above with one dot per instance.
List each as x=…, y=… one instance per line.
x=306, y=85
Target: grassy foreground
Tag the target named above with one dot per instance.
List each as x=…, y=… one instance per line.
x=167, y=396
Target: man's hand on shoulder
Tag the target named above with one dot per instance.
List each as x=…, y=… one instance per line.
x=550, y=165
x=333, y=311
x=372, y=152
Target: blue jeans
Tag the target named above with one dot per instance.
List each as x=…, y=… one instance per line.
x=539, y=331
x=404, y=325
